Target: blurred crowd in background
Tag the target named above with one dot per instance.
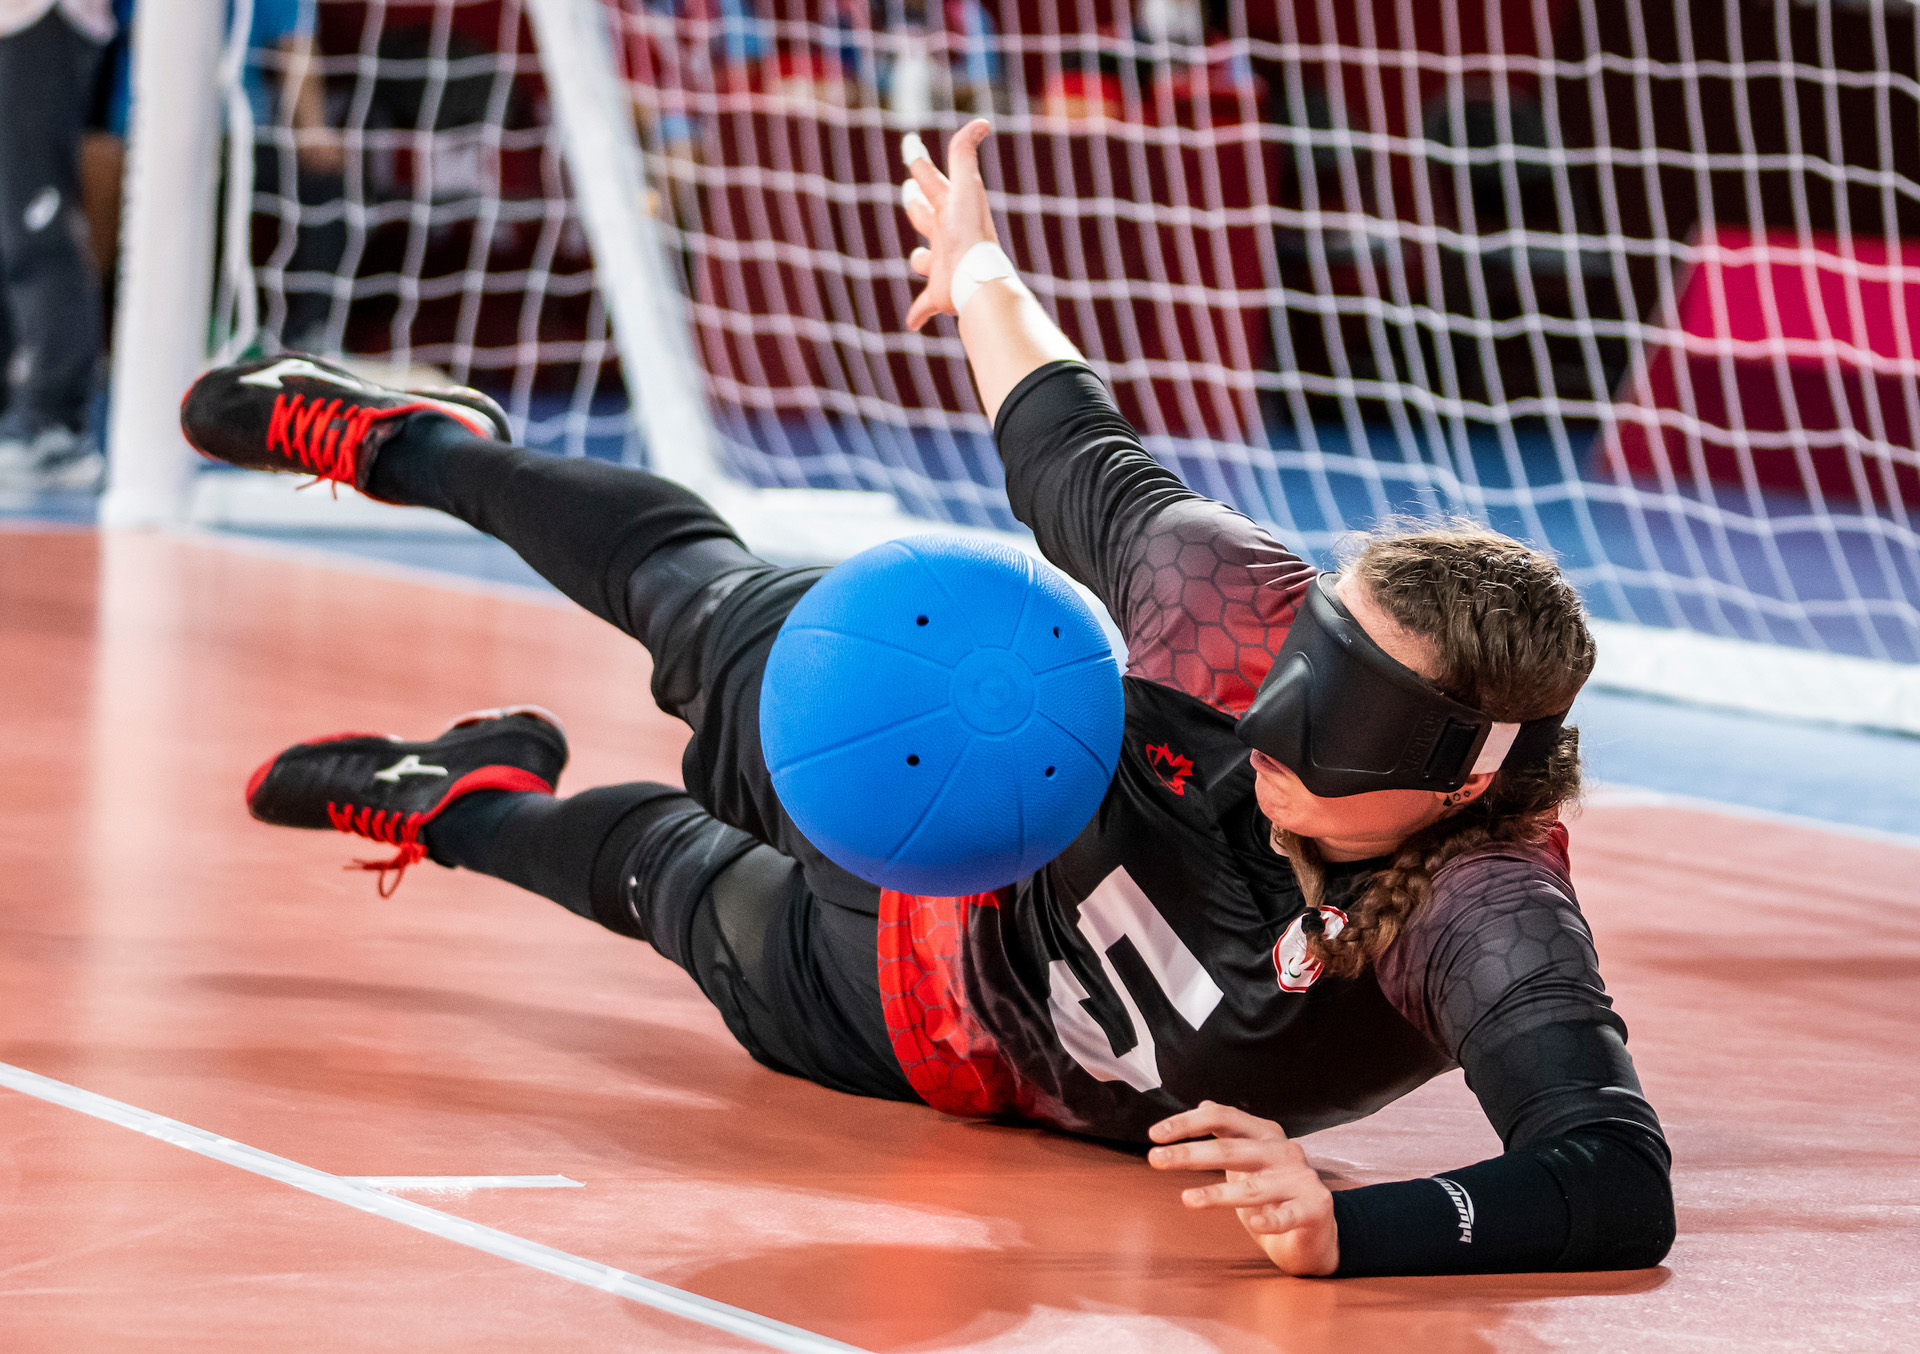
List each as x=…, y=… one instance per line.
x=64, y=106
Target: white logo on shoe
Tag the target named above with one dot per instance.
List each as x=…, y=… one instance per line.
x=409, y=765
x=272, y=376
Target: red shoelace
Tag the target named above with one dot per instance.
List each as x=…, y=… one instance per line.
x=382, y=825
x=322, y=435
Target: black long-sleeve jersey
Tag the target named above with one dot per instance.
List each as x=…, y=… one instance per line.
x=1160, y=961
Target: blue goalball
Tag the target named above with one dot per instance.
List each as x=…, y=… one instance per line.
x=941, y=715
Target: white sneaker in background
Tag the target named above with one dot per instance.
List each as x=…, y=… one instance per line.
x=50, y=460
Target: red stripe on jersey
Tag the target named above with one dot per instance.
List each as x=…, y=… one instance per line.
x=950, y=1061
x=1558, y=839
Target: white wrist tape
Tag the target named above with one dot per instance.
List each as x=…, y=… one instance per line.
x=985, y=262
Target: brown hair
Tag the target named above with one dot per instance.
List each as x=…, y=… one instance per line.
x=1511, y=640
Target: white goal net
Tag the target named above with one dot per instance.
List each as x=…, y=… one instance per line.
x=404, y=203
x=1637, y=283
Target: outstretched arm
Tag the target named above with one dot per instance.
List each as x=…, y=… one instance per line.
x=1007, y=334
x=1202, y=594
x=1593, y=1197
x=1498, y=969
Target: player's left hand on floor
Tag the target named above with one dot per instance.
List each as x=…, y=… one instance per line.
x=1279, y=1197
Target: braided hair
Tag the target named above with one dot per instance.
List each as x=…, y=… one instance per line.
x=1510, y=639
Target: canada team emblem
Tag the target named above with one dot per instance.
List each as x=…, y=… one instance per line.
x=1169, y=766
x=1297, y=969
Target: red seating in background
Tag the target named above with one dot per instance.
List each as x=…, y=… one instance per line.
x=1078, y=152
x=1791, y=342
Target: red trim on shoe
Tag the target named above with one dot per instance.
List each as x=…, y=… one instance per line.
x=475, y=422
x=324, y=435
x=488, y=778
x=541, y=713
x=259, y=775
x=472, y=420
x=403, y=830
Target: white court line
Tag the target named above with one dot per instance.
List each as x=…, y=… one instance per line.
x=355, y=1194
x=458, y=1184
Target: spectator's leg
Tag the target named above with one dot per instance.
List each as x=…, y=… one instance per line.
x=319, y=246
x=6, y=316
x=52, y=289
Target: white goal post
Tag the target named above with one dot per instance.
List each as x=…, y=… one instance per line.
x=168, y=233
x=693, y=299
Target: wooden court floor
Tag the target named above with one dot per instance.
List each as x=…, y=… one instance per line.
x=160, y=949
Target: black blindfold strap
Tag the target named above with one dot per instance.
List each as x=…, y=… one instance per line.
x=1535, y=742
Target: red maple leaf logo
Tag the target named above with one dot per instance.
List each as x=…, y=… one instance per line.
x=1169, y=766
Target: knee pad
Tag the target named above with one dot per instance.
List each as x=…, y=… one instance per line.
x=749, y=898
x=668, y=852
x=671, y=597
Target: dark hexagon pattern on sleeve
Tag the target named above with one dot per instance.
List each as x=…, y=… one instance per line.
x=1498, y=968
x=1208, y=601
x=1203, y=595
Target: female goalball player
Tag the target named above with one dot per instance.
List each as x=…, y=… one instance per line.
x=1235, y=951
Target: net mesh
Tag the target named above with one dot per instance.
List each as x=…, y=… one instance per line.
x=1632, y=283
x=405, y=202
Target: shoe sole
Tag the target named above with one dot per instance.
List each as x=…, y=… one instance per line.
x=539, y=712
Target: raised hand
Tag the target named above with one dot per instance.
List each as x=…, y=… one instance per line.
x=949, y=210
x=1278, y=1196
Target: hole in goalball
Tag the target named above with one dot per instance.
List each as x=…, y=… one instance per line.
x=922, y=620
x=913, y=759
x=1056, y=632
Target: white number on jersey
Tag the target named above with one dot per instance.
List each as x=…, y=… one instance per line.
x=1118, y=908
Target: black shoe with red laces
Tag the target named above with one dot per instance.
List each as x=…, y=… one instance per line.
x=376, y=786
x=300, y=414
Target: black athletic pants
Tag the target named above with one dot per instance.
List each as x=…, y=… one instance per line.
x=49, y=293
x=716, y=878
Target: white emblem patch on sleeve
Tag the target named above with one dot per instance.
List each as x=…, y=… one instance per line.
x=1297, y=969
